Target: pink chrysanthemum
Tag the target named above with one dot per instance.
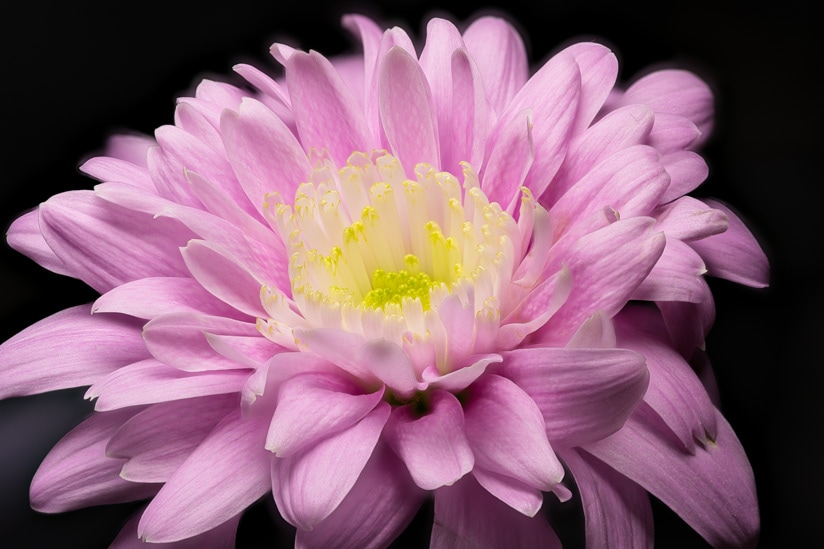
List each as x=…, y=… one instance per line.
x=391, y=277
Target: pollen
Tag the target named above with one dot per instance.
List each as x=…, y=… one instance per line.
x=395, y=286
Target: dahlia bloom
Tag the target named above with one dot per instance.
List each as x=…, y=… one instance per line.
x=395, y=276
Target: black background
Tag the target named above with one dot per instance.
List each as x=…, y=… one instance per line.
x=74, y=74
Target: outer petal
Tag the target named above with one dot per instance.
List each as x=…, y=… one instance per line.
x=471, y=115
x=583, y=394
x=231, y=462
x=689, y=219
x=617, y=511
x=599, y=69
x=432, y=444
x=735, y=253
x=407, y=110
x=369, y=518
x=675, y=277
x=220, y=537
x=467, y=516
x=68, y=349
x=714, y=489
x=24, y=235
x=310, y=485
x=77, y=473
x=507, y=433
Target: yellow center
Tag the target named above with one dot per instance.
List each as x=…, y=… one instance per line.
x=394, y=286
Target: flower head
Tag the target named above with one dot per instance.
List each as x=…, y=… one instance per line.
x=391, y=277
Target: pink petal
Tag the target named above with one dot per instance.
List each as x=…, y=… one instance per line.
x=24, y=235
x=179, y=339
x=369, y=518
x=150, y=381
x=687, y=171
x=689, y=323
x=150, y=297
x=326, y=112
x=68, y=349
x=471, y=115
x=224, y=277
x=599, y=69
x=671, y=133
x=596, y=332
x=263, y=152
x=104, y=168
x=675, y=277
x=389, y=363
x=194, y=122
x=299, y=421
x=369, y=35
x=467, y=516
x=617, y=511
x=509, y=160
x=713, y=490
x=130, y=147
x=734, y=254
x=263, y=82
x=458, y=319
x=675, y=92
x=407, y=110
x=310, y=485
x=231, y=462
x=522, y=497
x=507, y=433
x=77, y=473
x=159, y=439
x=431, y=442
x=395, y=36
x=106, y=245
x=466, y=372
x=220, y=537
x=500, y=54
x=689, y=219
x=338, y=347
x=583, y=394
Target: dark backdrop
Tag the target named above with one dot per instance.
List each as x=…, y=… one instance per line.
x=74, y=74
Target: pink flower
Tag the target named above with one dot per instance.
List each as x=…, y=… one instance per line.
x=391, y=277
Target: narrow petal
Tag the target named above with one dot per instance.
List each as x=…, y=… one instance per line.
x=369, y=518
x=326, y=112
x=393, y=37
x=467, y=516
x=498, y=50
x=71, y=348
x=583, y=394
x=471, y=115
x=617, y=511
x=687, y=171
x=716, y=492
x=24, y=235
x=599, y=70
x=597, y=332
x=106, y=245
x=675, y=277
x=220, y=537
x=77, y=473
x=689, y=219
x=150, y=381
x=509, y=160
x=672, y=133
x=231, y=462
x=432, y=443
x=407, y=111
x=522, y=497
x=507, y=433
x=369, y=35
x=298, y=420
x=734, y=254
x=310, y=485
x=389, y=363
x=105, y=168
x=159, y=439
x=263, y=152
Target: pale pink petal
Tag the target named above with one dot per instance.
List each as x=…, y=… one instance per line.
x=194, y=122
x=179, y=339
x=535, y=310
x=734, y=254
x=127, y=245
x=338, y=347
x=498, y=50
x=309, y=485
x=131, y=147
x=219, y=537
x=263, y=152
x=675, y=277
x=507, y=433
x=407, y=110
x=689, y=219
x=553, y=94
x=250, y=351
x=299, y=421
x=521, y=496
x=467, y=516
x=466, y=372
x=616, y=510
x=159, y=439
x=378, y=507
x=599, y=69
x=68, y=349
x=572, y=386
x=150, y=381
x=471, y=115
x=675, y=92
x=509, y=160
x=326, y=112
x=150, y=297
x=369, y=35
x=687, y=171
x=672, y=133
x=24, y=235
x=77, y=473
x=104, y=168
x=391, y=38
x=713, y=490
x=231, y=462
x=596, y=332
x=458, y=319
x=389, y=363
x=431, y=441
x=224, y=277
x=263, y=82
